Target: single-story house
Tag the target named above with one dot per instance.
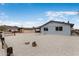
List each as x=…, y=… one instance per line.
x=55, y=27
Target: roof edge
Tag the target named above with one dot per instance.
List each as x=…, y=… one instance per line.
x=56, y=22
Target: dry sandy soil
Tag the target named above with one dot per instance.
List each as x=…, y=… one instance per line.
x=47, y=45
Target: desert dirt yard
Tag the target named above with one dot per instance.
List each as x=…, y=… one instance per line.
x=47, y=45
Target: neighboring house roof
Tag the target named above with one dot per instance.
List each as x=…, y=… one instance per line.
x=56, y=22
x=6, y=27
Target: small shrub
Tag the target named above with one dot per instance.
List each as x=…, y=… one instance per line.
x=27, y=43
x=34, y=44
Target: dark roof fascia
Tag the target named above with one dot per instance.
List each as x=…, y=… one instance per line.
x=56, y=22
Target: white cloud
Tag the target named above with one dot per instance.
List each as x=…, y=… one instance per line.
x=77, y=20
x=60, y=15
x=70, y=13
x=21, y=24
x=40, y=19
x=8, y=22
x=31, y=23
x=76, y=26
x=4, y=20
x=56, y=15
x=64, y=16
x=52, y=13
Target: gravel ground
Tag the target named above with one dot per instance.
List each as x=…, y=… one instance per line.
x=47, y=45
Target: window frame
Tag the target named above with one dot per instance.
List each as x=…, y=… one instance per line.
x=45, y=29
x=59, y=28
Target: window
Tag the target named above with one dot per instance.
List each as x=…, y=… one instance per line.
x=45, y=29
x=56, y=29
x=59, y=28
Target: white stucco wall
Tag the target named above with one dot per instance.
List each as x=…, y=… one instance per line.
x=51, y=29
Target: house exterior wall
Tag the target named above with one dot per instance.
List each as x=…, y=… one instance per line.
x=51, y=29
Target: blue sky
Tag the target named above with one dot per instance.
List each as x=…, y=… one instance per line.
x=36, y=14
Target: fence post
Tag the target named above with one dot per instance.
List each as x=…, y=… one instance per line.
x=2, y=41
x=9, y=51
